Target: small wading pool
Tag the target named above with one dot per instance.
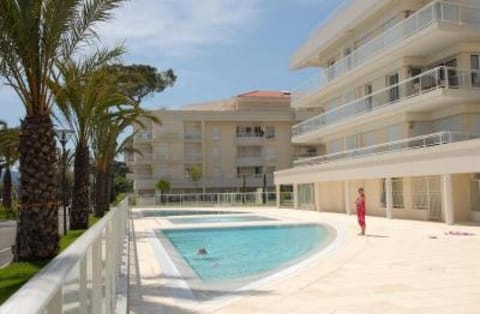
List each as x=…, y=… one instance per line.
x=167, y=213
x=239, y=253
x=218, y=219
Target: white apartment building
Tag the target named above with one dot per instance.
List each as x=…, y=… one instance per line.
x=399, y=89
x=236, y=143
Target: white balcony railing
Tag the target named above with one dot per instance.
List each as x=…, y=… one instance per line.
x=193, y=156
x=419, y=142
x=85, y=278
x=436, y=12
x=440, y=77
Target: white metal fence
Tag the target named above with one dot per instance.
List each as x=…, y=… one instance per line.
x=85, y=277
x=204, y=199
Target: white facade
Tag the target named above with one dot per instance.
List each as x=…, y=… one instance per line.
x=399, y=93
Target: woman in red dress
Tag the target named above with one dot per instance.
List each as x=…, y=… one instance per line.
x=361, y=210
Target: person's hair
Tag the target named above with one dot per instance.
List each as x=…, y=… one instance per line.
x=361, y=190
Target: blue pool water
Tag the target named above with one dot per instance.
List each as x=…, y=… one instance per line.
x=166, y=213
x=237, y=253
x=218, y=219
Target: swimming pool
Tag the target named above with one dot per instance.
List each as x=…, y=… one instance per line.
x=219, y=219
x=166, y=213
x=242, y=252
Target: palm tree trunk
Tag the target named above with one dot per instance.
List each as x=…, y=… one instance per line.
x=108, y=188
x=100, y=184
x=7, y=189
x=37, y=230
x=81, y=189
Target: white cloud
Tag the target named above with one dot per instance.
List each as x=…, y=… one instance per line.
x=178, y=27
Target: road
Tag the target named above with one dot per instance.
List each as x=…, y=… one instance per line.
x=7, y=237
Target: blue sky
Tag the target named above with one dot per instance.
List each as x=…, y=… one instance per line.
x=218, y=48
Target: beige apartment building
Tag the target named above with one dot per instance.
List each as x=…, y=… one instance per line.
x=237, y=144
x=399, y=86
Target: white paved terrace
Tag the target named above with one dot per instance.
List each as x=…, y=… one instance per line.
x=402, y=266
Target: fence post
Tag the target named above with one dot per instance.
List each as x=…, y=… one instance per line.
x=55, y=306
x=83, y=296
x=97, y=293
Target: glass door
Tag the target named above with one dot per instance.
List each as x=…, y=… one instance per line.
x=394, y=91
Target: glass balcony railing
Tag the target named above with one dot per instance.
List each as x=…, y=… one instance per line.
x=436, y=12
x=440, y=77
x=419, y=142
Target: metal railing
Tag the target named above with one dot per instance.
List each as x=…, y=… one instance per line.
x=436, y=12
x=418, y=142
x=82, y=279
x=207, y=182
x=204, y=199
x=440, y=77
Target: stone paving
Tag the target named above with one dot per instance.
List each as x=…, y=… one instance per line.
x=402, y=266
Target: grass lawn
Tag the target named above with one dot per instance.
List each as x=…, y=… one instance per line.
x=15, y=275
x=6, y=214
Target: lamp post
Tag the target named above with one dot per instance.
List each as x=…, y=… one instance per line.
x=63, y=136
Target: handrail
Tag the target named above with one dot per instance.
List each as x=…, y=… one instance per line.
x=439, y=77
x=393, y=146
x=44, y=290
x=436, y=11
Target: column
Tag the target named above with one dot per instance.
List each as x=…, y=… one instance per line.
x=389, y=198
x=348, y=200
x=447, y=199
x=204, y=156
x=277, y=194
x=296, y=201
x=316, y=195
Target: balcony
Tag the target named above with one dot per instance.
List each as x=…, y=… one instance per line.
x=440, y=78
x=250, y=138
x=143, y=137
x=419, y=142
x=246, y=161
x=193, y=156
x=192, y=137
x=440, y=13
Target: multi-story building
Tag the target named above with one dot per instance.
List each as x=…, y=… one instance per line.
x=235, y=144
x=399, y=86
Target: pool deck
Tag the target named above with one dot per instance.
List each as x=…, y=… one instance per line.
x=402, y=266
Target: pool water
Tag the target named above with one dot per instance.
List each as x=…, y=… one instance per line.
x=238, y=253
x=219, y=219
x=166, y=213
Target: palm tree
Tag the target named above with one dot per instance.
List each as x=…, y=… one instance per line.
x=83, y=93
x=163, y=185
x=36, y=36
x=108, y=128
x=9, y=141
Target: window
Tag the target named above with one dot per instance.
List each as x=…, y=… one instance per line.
x=216, y=134
x=368, y=94
x=250, y=171
x=270, y=132
x=163, y=151
x=394, y=91
x=270, y=153
x=250, y=131
x=397, y=193
x=426, y=195
x=216, y=153
x=475, y=65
